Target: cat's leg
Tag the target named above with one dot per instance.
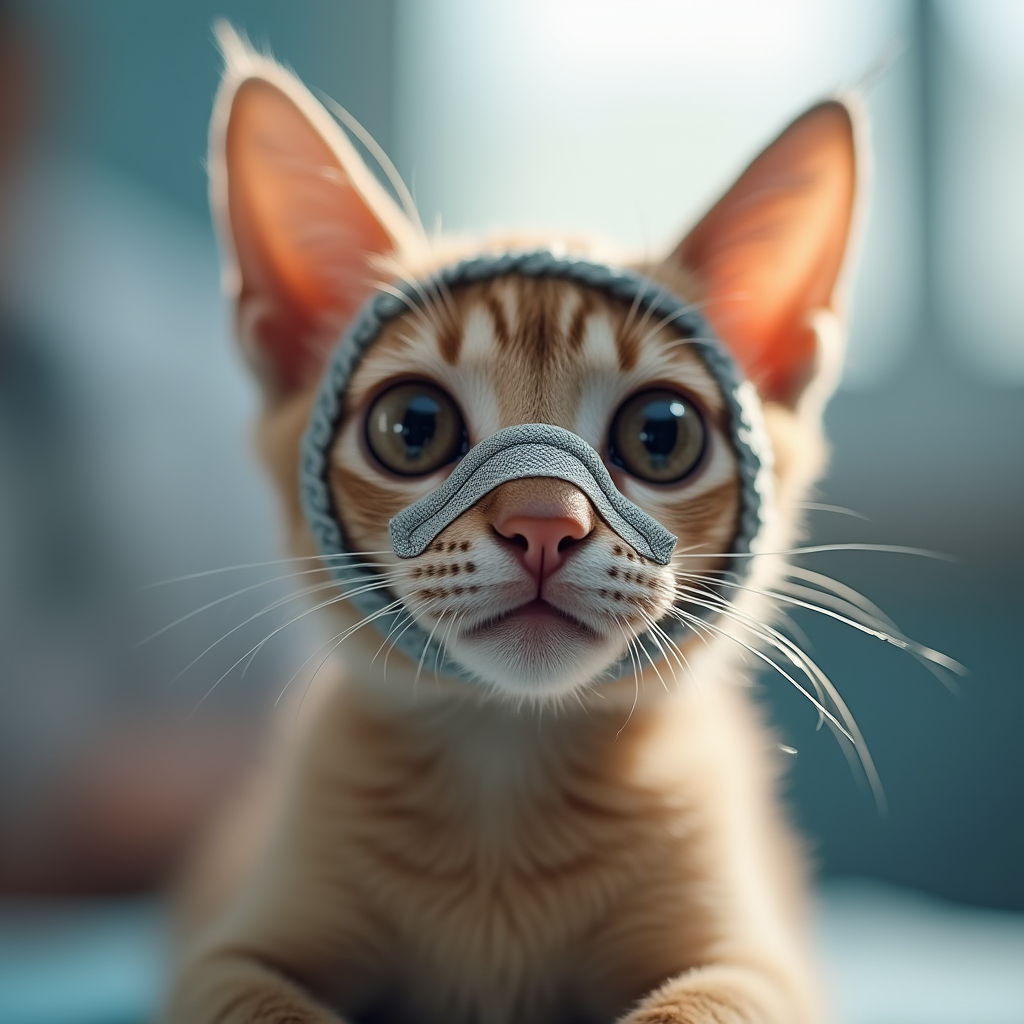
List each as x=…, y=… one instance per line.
x=725, y=994
x=236, y=988
x=287, y=939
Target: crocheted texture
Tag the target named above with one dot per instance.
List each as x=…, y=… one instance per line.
x=528, y=450
x=491, y=460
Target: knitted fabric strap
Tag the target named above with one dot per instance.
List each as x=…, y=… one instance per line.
x=528, y=450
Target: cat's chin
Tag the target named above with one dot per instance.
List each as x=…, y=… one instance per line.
x=535, y=652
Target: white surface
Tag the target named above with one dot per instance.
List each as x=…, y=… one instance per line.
x=892, y=956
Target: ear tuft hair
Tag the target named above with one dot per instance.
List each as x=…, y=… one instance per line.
x=303, y=223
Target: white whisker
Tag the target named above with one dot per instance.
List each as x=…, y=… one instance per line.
x=634, y=659
x=443, y=646
x=821, y=682
x=687, y=617
x=646, y=653
x=426, y=647
x=817, y=506
x=674, y=650
x=247, y=590
x=897, y=639
x=892, y=549
x=261, y=565
x=840, y=590
x=335, y=599
x=339, y=637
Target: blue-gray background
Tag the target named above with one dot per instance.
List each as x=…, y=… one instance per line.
x=120, y=289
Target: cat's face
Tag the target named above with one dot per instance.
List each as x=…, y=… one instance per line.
x=529, y=590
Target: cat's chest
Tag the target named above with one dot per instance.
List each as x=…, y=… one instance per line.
x=495, y=857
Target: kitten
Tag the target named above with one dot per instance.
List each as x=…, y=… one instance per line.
x=520, y=838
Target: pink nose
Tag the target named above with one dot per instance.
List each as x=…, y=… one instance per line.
x=543, y=542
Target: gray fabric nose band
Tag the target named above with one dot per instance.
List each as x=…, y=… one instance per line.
x=516, y=453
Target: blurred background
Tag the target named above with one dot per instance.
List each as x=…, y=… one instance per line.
x=125, y=414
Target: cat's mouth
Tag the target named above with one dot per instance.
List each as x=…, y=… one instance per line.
x=534, y=649
x=534, y=623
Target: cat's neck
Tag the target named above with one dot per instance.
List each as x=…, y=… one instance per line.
x=479, y=753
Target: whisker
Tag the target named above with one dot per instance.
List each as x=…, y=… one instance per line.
x=342, y=635
x=847, y=593
x=443, y=646
x=380, y=584
x=377, y=585
x=892, y=549
x=768, y=634
x=897, y=640
x=634, y=659
x=398, y=622
x=426, y=646
x=689, y=618
x=870, y=615
x=412, y=622
x=817, y=506
x=837, y=604
x=247, y=590
x=260, y=565
x=340, y=640
x=308, y=611
x=646, y=653
x=306, y=592
x=673, y=648
x=801, y=660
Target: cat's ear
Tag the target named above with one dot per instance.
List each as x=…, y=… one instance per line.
x=301, y=219
x=768, y=256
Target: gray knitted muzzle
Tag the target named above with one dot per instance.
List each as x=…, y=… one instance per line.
x=516, y=453
x=526, y=450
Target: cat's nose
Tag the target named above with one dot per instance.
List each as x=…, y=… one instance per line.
x=542, y=543
x=543, y=524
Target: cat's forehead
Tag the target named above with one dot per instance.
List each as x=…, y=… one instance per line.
x=517, y=349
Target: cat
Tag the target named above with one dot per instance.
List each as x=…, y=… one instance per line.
x=501, y=832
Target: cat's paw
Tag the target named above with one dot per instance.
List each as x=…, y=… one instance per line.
x=724, y=995
x=691, y=1009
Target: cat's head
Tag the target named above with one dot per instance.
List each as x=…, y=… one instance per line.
x=530, y=589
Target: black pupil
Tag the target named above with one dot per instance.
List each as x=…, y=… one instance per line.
x=660, y=430
x=419, y=424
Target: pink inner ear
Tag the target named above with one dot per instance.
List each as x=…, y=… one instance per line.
x=303, y=234
x=768, y=254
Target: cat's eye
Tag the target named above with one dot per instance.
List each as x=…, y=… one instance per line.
x=415, y=428
x=658, y=436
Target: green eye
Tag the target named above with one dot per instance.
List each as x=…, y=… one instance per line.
x=658, y=436
x=415, y=428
